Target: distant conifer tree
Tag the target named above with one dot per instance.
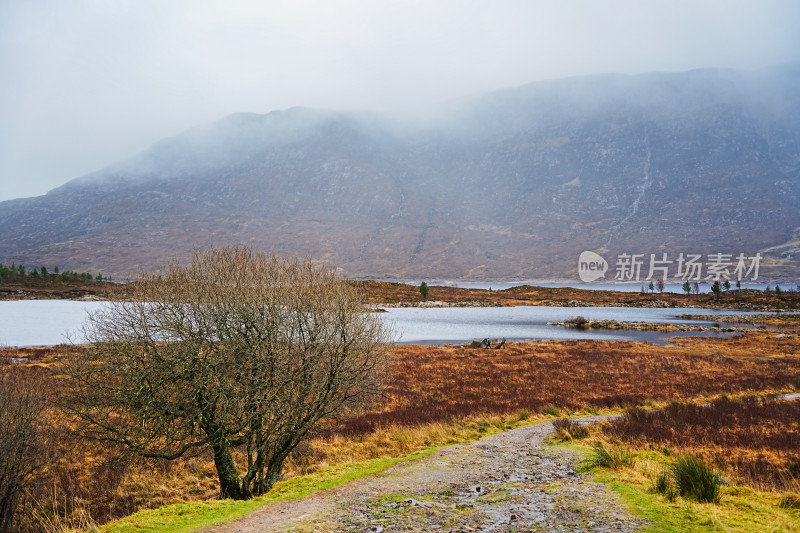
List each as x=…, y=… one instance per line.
x=423, y=290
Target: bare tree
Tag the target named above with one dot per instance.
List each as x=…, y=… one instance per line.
x=236, y=349
x=23, y=437
x=660, y=285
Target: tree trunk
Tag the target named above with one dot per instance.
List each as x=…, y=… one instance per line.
x=273, y=474
x=253, y=473
x=226, y=470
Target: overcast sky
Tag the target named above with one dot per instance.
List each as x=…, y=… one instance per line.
x=86, y=83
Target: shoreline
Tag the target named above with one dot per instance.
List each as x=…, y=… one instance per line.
x=397, y=294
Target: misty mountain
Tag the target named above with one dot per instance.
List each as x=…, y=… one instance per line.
x=515, y=183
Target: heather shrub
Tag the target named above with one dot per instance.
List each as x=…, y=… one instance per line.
x=551, y=410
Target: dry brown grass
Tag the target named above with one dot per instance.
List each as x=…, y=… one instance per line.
x=753, y=441
x=21, y=288
x=381, y=292
x=40, y=355
x=441, y=395
x=439, y=384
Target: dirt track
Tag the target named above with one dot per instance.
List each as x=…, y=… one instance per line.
x=511, y=481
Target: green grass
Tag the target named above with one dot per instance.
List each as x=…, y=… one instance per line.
x=191, y=516
x=550, y=410
x=740, y=509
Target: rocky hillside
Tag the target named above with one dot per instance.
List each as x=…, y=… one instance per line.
x=515, y=183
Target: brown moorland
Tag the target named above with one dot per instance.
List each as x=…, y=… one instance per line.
x=53, y=288
x=395, y=293
x=436, y=395
x=392, y=293
x=433, y=383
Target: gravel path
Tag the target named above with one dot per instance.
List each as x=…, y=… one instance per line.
x=511, y=481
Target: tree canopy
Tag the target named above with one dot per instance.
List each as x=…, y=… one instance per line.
x=235, y=350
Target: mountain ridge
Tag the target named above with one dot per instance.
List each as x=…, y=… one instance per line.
x=513, y=184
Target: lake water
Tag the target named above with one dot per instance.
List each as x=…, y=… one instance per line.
x=42, y=322
x=50, y=322
x=462, y=324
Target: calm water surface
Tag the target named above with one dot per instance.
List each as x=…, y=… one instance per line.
x=43, y=322
x=440, y=325
x=50, y=322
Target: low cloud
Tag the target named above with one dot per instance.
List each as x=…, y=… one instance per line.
x=87, y=84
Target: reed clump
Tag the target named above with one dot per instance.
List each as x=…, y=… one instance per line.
x=566, y=429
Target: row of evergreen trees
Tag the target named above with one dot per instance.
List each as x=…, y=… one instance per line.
x=20, y=271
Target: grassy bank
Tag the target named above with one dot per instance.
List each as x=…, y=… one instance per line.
x=740, y=509
x=729, y=466
x=191, y=516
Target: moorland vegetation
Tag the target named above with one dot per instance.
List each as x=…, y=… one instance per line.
x=440, y=395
